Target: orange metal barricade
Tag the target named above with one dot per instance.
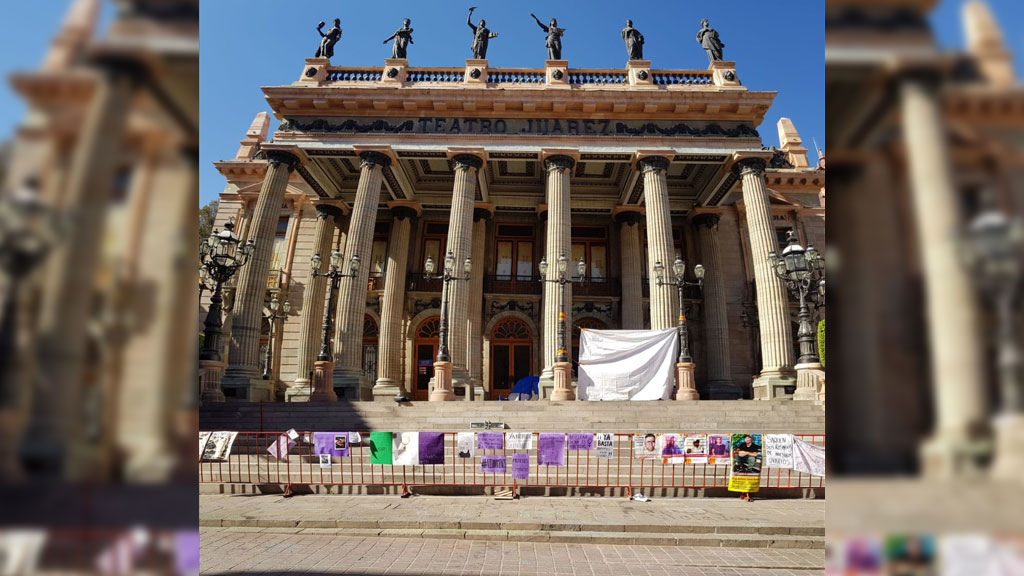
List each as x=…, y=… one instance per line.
x=251, y=463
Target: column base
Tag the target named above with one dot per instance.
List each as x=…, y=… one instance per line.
x=724, y=390
x=461, y=382
x=237, y=380
x=478, y=391
x=387, y=389
x=686, y=386
x=808, y=379
x=299, y=391
x=563, y=391
x=442, y=391
x=774, y=385
x=323, y=382
x=348, y=382
x=1009, y=460
x=210, y=381
x=949, y=455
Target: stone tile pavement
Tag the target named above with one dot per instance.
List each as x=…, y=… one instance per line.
x=241, y=551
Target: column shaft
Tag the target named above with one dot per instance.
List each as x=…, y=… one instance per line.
x=632, y=273
x=389, y=358
x=348, y=335
x=772, y=302
x=664, y=307
x=475, y=355
x=313, y=306
x=716, y=318
x=460, y=243
x=247, y=312
x=558, y=243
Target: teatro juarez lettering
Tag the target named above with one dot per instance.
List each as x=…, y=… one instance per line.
x=520, y=126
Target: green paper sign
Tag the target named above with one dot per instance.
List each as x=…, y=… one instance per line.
x=380, y=448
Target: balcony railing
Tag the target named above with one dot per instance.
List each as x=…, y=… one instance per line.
x=689, y=292
x=681, y=77
x=435, y=75
x=375, y=282
x=511, y=285
x=516, y=76
x=609, y=287
x=504, y=77
x=581, y=77
x=418, y=282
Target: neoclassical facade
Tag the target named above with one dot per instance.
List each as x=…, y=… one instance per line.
x=619, y=169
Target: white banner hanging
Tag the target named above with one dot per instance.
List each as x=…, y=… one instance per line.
x=627, y=364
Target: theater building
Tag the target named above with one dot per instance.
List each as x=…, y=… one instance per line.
x=617, y=168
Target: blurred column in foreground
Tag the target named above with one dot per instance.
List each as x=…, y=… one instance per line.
x=716, y=317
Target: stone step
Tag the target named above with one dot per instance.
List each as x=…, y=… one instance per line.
x=659, y=538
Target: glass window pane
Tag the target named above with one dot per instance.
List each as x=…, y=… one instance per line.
x=578, y=251
x=524, y=261
x=432, y=249
x=503, y=267
x=379, y=257
x=598, y=261
x=501, y=367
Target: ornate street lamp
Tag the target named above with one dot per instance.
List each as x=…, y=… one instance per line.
x=802, y=270
x=686, y=387
x=221, y=256
x=442, y=365
x=323, y=368
x=994, y=253
x=562, y=367
x=275, y=306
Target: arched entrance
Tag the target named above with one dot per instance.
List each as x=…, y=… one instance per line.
x=589, y=323
x=371, y=335
x=425, y=345
x=511, y=355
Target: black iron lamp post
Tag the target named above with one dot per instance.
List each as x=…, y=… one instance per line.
x=562, y=354
x=802, y=270
x=447, y=275
x=221, y=256
x=994, y=253
x=678, y=269
x=334, y=276
x=275, y=307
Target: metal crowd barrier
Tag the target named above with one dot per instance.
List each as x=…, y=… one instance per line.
x=250, y=463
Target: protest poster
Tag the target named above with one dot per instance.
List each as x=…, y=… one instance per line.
x=605, y=448
x=718, y=449
x=521, y=466
x=778, y=450
x=864, y=555
x=380, y=448
x=292, y=434
x=519, y=440
x=405, y=449
x=330, y=443
x=204, y=437
x=431, y=447
x=808, y=458
x=354, y=438
x=492, y=464
x=489, y=440
x=672, y=448
x=551, y=449
x=280, y=447
x=581, y=441
x=645, y=446
x=325, y=460
x=464, y=441
x=746, y=463
x=695, y=447
x=218, y=447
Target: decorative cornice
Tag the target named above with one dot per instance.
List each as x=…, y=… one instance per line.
x=708, y=220
x=653, y=163
x=372, y=158
x=558, y=162
x=754, y=165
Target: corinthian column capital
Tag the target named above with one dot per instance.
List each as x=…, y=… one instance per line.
x=467, y=161
x=559, y=162
x=707, y=220
x=652, y=164
x=372, y=159
x=749, y=165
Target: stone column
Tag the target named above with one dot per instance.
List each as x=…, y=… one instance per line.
x=632, y=303
x=772, y=303
x=460, y=243
x=659, y=240
x=389, y=358
x=716, y=318
x=247, y=312
x=949, y=299
x=475, y=357
x=348, y=334
x=558, y=242
x=313, y=306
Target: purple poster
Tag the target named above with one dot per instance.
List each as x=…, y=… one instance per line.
x=431, y=447
x=581, y=441
x=492, y=464
x=333, y=443
x=521, y=466
x=186, y=552
x=489, y=440
x=551, y=450
x=279, y=449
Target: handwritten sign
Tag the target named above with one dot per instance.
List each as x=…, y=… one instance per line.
x=492, y=464
x=521, y=466
x=489, y=440
x=778, y=450
x=519, y=440
x=581, y=441
x=605, y=445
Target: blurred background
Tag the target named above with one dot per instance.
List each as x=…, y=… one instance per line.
x=98, y=245
x=925, y=140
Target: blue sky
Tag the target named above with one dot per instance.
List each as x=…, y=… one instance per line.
x=246, y=44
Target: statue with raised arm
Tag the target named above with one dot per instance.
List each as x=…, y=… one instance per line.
x=634, y=41
x=327, y=41
x=402, y=38
x=481, y=36
x=708, y=39
x=554, y=41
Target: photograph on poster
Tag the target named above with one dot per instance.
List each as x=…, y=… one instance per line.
x=646, y=446
x=464, y=441
x=218, y=447
x=746, y=454
x=696, y=448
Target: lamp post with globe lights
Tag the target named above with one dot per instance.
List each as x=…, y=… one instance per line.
x=443, y=364
x=802, y=271
x=686, y=387
x=323, y=367
x=278, y=311
x=221, y=256
x=562, y=368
